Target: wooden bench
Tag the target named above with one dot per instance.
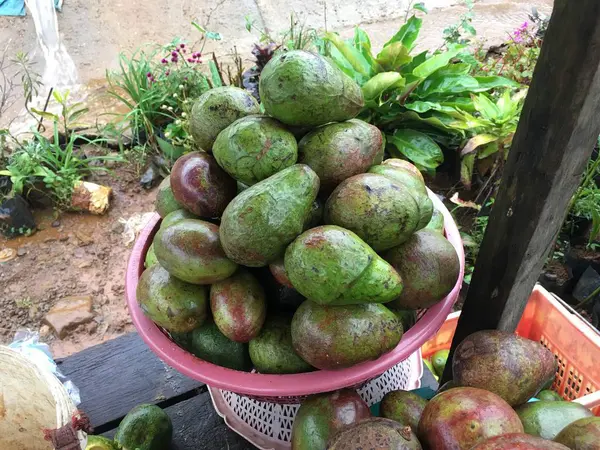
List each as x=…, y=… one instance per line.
x=116, y=376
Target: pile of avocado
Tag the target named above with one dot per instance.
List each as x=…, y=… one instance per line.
x=145, y=427
x=488, y=406
x=288, y=243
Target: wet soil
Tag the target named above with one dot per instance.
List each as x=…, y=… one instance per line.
x=84, y=255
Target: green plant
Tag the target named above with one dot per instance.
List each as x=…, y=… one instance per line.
x=472, y=241
x=586, y=201
x=56, y=167
x=419, y=101
x=69, y=113
x=297, y=37
x=455, y=34
x=493, y=124
x=518, y=58
x=155, y=83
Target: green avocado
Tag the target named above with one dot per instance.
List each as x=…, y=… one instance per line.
x=150, y=259
x=209, y=344
x=165, y=202
x=438, y=360
x=176, y=216
x=300, y=88
x=272, y=351
x=548, y=418
x=190, y=250
x=333, y=266
x=215, y=110
x=260, y=222
x=171, y=303
x=335, y=337
x=408, y=175
x=254, y=148
x=437, y=221
x=145, y=427
x=100, y=443
x=549, y=395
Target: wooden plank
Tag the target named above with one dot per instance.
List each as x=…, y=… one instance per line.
x=196, y=426
x=116, y=376
x=555, y=137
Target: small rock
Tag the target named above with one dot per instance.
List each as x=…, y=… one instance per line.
x=85, y=265
x=50, y=239
x=44, y=330
x=68, y=313
x=63, y=238
x=56, y=224
x=587, y=284
x=21, y=252
x=79, y=252
x=83, y=238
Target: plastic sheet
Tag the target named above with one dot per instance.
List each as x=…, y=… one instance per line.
x=28, y=343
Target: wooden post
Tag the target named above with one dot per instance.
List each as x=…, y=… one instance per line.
x=559, y=125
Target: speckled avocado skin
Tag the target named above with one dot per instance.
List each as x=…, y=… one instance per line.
x=215, y=110
x=238, y=306
x=272, y=351
x=331, y=265
x=260, y=222
x=375, y=433
x=300, y=88
x=334, y=337
x=173, y=304
x=321, y=416
x=340, y=150
x=379, y=210
x=429, y=266
x=513, y=367
x=254, y=148
x=463, y=417
x=190, y=250
x=408, y=175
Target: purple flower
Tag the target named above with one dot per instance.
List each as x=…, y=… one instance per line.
x=190, y=60
x=174, y=54
x=164, y=61
x=167, y=73
x=149, y=75
x=183, y=45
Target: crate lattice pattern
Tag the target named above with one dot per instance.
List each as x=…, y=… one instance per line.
x=275, y=420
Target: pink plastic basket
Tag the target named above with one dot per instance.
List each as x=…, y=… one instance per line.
x=276, y=387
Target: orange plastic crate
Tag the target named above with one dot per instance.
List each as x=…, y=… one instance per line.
x=575, y=344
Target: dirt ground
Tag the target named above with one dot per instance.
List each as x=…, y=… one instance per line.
x=81, y=254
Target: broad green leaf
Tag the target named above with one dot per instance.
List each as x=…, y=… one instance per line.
x=381, y=83
x=214, y=74
x=466, y=170
x=485, y=106
x=463, y=103
x=420, y=7
x=493, y=82
x=417, y=147
x=453, y=69
x=363, y=44
x=58, y=96
x=422, y=107
x=354, y=57
x=487, y=150
x=342, y=63
x=446, y=84
x=469, y=28
x=408, y=33
x=434, y=63
x=416, y=61
x=476, y=142
x=393, y=56
x=169, y=150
